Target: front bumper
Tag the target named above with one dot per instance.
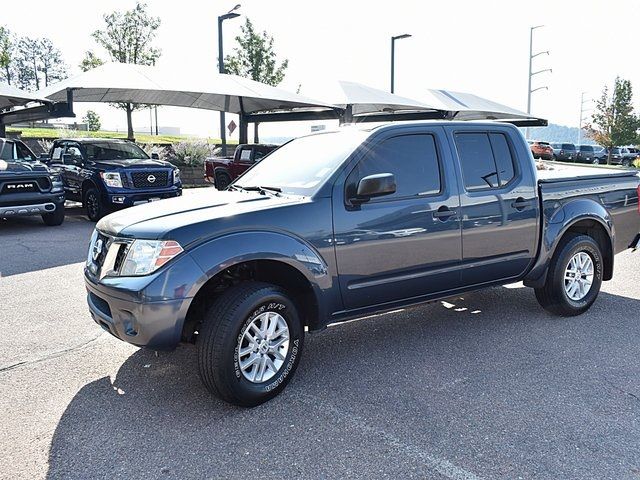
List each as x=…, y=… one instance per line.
x=124, y=198
x=23, y=204
x=147, y=311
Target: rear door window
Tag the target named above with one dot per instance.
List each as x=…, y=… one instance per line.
x=485, y=159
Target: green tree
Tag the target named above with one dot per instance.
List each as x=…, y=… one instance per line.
x=27, y=58
x=255, y=58
x=6, y=55
x=127, y=37
x=90, y=61
x=613, y=122
x=92, y=119
x=50, y=62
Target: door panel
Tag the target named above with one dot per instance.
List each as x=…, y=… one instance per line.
x=401, y=246
x=500, y=218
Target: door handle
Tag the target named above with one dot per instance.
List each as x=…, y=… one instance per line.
x=520, y=204
x=444, y=213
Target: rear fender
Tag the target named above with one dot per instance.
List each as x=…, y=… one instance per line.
x=557, y=226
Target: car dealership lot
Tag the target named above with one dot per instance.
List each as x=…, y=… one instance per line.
x=484, y=386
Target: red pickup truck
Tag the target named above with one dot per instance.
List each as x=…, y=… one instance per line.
x=221, y=171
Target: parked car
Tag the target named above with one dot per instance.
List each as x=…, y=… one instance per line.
x=345, y=224
x=221, y=171
x=564, y=152
x=110, y=174
x=601, y=154
x=27, y=187
x=628, y=155
x=541, y=150
x=586, y=154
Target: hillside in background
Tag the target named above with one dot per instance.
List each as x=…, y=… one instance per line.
x=559, y=133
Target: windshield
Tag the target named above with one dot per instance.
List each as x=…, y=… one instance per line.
x=301, y=166
x=114, y=151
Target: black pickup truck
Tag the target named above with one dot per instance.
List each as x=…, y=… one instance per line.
x=345, y=224
x=27, y=186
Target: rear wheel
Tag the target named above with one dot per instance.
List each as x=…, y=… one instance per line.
x=249, y=344
x=222, y=180
x=93, y=204
x=626, y=162
x=54, y=218
x=574, y=277
x=596, y=161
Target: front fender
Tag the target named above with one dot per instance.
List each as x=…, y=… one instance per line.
x=557, y=225
x=221, y=253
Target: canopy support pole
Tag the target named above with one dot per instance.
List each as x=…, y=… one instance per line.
x=256, y=136
x=244, y=130
x=347, y=116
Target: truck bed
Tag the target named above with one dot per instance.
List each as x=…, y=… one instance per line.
x=555, y=172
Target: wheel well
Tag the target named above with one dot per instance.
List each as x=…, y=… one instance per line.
x=222, y=171
x=596, y=230
x=269, y=271
x=86, y=185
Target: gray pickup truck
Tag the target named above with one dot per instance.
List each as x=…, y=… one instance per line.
x=27, y=186
x=345, y=224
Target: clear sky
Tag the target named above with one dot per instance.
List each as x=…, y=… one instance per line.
x=475, y=46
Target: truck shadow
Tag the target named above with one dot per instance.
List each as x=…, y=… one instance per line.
x=465, y=369
x=28, y=245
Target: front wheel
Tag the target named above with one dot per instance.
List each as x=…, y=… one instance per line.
x=596, y=161
x=574, y=277
x=54, y=218
x=93, y=204
x=249, y=344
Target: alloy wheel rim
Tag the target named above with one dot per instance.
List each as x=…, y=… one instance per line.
x=92, y=205
x=578, y=276
x=263, y=347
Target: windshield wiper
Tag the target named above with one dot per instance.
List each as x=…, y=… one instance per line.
x=260, y=188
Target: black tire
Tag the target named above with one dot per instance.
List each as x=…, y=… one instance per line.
x=54, y=218
x=554, y=158
x=222, y=180
x=626, y=162
x=220, y=338
x=553, y=296
x=93, y=204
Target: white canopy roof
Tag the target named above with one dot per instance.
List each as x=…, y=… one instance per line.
x=127, y=83
x=365, y=100
x=467, y=106
x=14, y=97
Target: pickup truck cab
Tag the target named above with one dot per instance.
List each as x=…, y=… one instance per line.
x=346, y=224
x=221, y=171
x=27, y=187
x=110, y=174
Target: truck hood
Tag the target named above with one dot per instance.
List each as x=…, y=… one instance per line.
x=140, y=163
x=176, y=218
x=10, y=167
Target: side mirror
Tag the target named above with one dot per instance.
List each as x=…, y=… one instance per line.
x=376, y=186
x=155, y=156
x=44, y=158
x=68, y=159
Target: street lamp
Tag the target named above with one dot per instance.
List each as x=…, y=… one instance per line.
x=582, y=112
x=393, y=42
x=531, y=73
x=222, y=18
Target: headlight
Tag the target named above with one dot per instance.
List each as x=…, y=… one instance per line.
x=176, y=176
x=56, y=183
x=111, y=179
x=146, y=256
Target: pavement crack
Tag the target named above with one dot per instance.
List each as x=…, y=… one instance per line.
x=49, y=356
x=622, y=390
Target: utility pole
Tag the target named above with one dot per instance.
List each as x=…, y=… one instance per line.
x=393, y=57
x=582, y=111
x=222, y=18
x=532, y=73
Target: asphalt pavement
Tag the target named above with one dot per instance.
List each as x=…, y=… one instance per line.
x=486, y=385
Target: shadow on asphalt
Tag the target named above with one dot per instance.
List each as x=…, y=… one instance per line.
x=45, y=247
x=488, y=381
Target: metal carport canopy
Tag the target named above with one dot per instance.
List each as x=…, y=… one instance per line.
x=14, y=97
x=138, y=84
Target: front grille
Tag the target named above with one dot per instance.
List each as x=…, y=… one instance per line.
x=122, y=253
x=100, y=249
x=150, y=179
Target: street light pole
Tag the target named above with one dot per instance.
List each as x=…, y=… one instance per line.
x=393, y=56
x=582, y=110
x=222, y=18
x=532, y=73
